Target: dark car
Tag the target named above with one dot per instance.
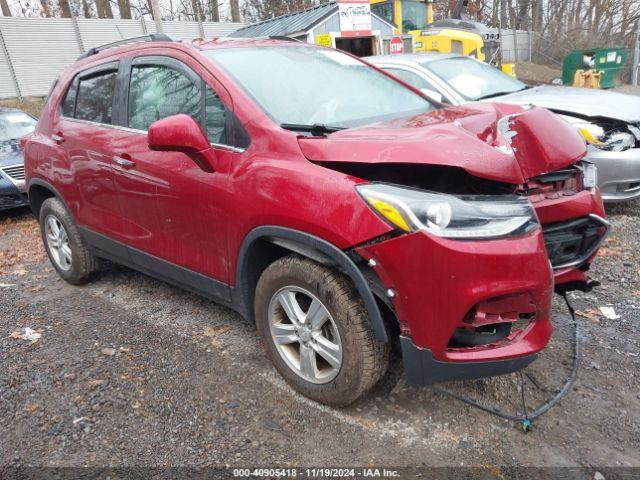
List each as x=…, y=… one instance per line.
x=14, y=124
x=322, y=198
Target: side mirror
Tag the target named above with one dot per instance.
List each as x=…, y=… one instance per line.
x=432, y=94
x=177, y=133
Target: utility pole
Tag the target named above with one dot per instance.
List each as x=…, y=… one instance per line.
x=155, y=11
x=636, y=58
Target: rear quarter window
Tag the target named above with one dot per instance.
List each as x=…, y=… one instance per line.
x=68, y=106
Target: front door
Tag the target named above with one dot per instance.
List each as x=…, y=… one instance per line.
x=173, y=207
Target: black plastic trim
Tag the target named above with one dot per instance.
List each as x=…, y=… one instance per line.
x=421, y=369
x=42, y=183
x=151, y=265
x=270, y=233
x=154, y=37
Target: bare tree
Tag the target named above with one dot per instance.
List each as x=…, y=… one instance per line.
x=197, y=10
x=125, y=9
x=104, y=9
x=215, y=10
x=46, y=10
x=86, y=9
x=4, y=6
x=235, y=10
x=257, y=10
x=65, y=8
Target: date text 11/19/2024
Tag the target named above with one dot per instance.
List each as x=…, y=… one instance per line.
x=314, y=473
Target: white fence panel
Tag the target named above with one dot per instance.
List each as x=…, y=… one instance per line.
x=95, y=32
x=39, y=49
x=212, y=29
x=181, y=30
x=150, y=25
x=7, y=87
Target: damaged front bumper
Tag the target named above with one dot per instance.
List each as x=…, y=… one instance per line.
x=421, y=369
x=448, y=293
x=574, y=228
x=618, y=173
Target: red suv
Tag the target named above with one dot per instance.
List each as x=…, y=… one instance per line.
x=335, y=205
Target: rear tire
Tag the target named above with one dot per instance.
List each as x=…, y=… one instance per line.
x=65, y=247
x=330, y=355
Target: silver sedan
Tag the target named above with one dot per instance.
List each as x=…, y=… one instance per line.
x=609, y=121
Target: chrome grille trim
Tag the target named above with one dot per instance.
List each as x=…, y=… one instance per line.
x=15, y=172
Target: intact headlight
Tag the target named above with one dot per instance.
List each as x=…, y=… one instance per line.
x=461, y=217
x=615, y=140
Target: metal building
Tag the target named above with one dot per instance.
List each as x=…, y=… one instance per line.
x=346, y=24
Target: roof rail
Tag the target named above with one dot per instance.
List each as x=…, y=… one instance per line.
x=284, y=38
x=154, y=37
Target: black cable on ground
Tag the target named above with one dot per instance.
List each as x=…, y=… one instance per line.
x=526, y=419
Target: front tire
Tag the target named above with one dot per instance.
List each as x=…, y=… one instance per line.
x=314, y=327
x=65, y=247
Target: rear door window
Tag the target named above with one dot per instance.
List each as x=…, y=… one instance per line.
x=94, y=100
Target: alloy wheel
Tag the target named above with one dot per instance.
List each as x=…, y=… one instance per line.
x=58, y=242
x=305, y=335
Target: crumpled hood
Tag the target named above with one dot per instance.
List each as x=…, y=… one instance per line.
x=587, y=102
x=504, y=143
x=11, y=153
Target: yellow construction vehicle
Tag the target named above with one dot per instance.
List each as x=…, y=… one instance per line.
x=452, y=35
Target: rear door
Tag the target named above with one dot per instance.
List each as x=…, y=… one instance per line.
x=175, y=210
x=85, y=130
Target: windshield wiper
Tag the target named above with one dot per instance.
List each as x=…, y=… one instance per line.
x=499, y=94
x=317, y=129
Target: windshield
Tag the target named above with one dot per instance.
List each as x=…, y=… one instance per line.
x=314, y=86
x=14, y=125
x=472, y=79
x=414, y=15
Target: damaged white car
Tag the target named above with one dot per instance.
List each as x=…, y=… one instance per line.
x=609, y=121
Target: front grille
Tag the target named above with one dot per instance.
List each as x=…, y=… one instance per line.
x=572, y=242
x=16, y=172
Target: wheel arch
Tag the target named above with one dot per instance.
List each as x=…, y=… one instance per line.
x=40, y=190
x=263, y=245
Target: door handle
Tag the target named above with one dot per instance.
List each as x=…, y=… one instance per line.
x=57, y=137
x=123, y=162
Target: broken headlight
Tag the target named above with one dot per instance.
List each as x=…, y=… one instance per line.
x=589, y=175
x=616, y=139
x=449, y=216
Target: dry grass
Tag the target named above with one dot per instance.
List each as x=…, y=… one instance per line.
x=536, y=74
x=25, y=245
x=29, y=105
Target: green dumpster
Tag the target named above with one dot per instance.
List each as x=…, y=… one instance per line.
x=609, y=61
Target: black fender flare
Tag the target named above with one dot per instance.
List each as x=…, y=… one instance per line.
x=317, y=249
x=43, y=183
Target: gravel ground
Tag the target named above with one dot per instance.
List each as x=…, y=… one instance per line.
x=131, y=371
